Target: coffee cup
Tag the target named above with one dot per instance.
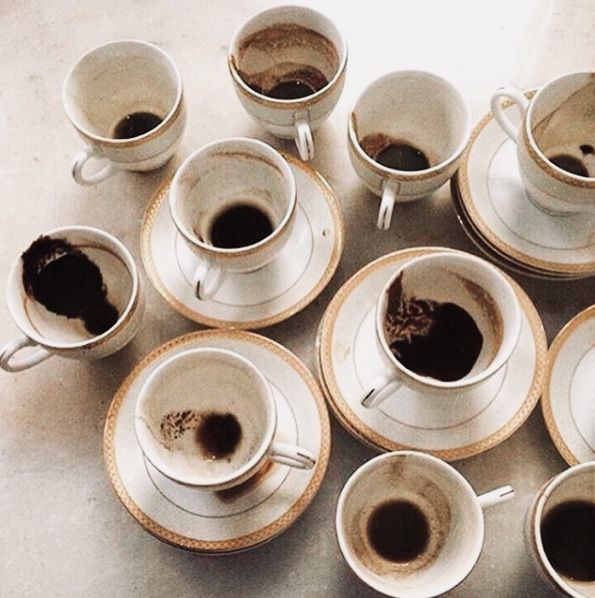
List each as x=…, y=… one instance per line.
x=75, y=292
x=288, y=68
x=445, y=323
x=125, y=100
x=407, y=132
x=206, y=418
x=409, y=525
x=233, y=202
x=560, y=531
x=555, y=141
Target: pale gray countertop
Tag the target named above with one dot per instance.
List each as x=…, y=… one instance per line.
x=63, y=531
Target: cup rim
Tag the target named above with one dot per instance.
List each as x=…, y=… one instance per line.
x=569, y=176
x=409, y=174
x=15, y=284
x=495, y=364
x=175, y=197
x=258, y=456
x=360, y=473
x=66, y=101
x=231, y=58
x=537, y=517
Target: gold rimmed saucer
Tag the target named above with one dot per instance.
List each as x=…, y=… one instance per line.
x=257, y=299
x=348, y=360
x=243, y=517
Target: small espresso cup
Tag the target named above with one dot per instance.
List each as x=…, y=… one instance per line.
x=288, y=69
x=560, y=531
x=555, y=142
x=44, y=289
x=206, y=418
x=125, y=100
x=406, y=134
x=445, y=323
x=409, y=525
x=233, y=202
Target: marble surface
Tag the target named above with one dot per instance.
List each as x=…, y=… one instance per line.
x=63, y=532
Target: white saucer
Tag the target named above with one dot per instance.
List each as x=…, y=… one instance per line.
x=568, y=401
x=239, y=518
x=255, y=299
x=449, y=428
x=500, y=210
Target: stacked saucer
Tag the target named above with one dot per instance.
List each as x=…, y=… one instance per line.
x=348, y=361
x=500, y=218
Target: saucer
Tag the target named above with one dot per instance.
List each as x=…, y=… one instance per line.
x=498, y=207
x=257, y=299
x=242, y=517
x=453, y=428
x=567, y=402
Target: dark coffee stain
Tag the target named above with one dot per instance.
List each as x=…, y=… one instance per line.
x=394, y=153
x=66, y=282
x=136, y=124
x=286, y=81
x=218, y=435
x=569, y=164
x=586, y=149
x=240, y=225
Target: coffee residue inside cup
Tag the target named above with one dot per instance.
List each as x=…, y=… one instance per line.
x=66, y=282
x=396, y=154
x=430, y=338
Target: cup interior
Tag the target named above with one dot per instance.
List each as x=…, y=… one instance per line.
x=119, y=275
x=449, y=507
x=284, y=45
x=417, y=302
x=561, y=123
x=205, y=417
x=411, y=108
x=230, y=174
x=117, y=80
x=576, y=484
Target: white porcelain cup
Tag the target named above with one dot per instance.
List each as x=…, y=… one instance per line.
x=112, y=82
x=206, y=418
x=419, y=109
x=222, y=175
x=289, y=43
x=557, y=127
x=576, y=484
x=405, y=303
x=438, y=559
x=53, y=334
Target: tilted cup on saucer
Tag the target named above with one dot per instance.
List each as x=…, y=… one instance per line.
x=407, y=133
x=445, y=323
x=233, y=202
x=125, y=100
x=560, y=531
x=555, y=142
x=410, y=526
x=206, y=418
x=288, y=68
x=75, y=292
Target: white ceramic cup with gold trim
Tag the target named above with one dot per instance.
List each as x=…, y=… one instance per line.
x=555, y=141
x=439, y=542
x=288, y=68
x=407, y=108
x=207, y=417
x=561, y=498
x=407, y=305
x=223, y=175
x=51, y=334
x=116, y=81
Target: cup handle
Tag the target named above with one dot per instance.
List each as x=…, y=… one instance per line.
x=294, y=456
x=383, y=386
x=385, y=213
x=496, y=496
x=8, y=351
x=519, y=98
x=304, y=140
x=79, y=163
x=207, y=280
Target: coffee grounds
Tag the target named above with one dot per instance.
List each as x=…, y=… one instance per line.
x=66, y=282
